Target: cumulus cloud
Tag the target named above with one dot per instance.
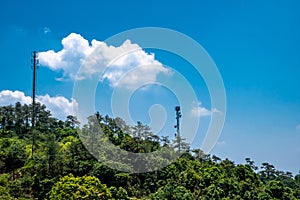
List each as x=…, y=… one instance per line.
x=199, y=111
x=59, y=106
x=11, y=97
x=97, y=56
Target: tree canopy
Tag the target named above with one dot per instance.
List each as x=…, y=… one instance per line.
x=50, y=161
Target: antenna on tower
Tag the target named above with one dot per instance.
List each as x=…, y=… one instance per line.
x=177, y=126
x=34, y=62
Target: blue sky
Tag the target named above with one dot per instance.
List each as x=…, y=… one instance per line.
x=255, y=45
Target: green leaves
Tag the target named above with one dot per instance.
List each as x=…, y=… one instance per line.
x=171, y=192
x=13, y=153
x=59, y=151
x=86, y=187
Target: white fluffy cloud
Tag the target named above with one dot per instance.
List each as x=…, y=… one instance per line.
x=77, y=52
x=59, y=106
x=11, y=97
x=199, y=111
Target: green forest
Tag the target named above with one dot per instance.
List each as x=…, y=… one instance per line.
x=49, y=161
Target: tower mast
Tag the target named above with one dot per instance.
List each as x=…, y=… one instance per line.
x=177, y=126
x=34, y=62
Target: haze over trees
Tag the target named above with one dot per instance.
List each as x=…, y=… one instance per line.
x=49, y=161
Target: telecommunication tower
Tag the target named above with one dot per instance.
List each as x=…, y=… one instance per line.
x=177, y=126
x=34, y=62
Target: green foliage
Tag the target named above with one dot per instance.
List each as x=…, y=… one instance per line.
x=169, y=192
x=4, y=184
x=275, y=189
x=86, y=187
x=122, y=194
x=50, y=161
x=16, y=156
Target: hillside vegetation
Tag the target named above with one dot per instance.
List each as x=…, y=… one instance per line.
x=49, y=161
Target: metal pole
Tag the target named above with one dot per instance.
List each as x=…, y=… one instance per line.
x=34, y=62
x=177, y=126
